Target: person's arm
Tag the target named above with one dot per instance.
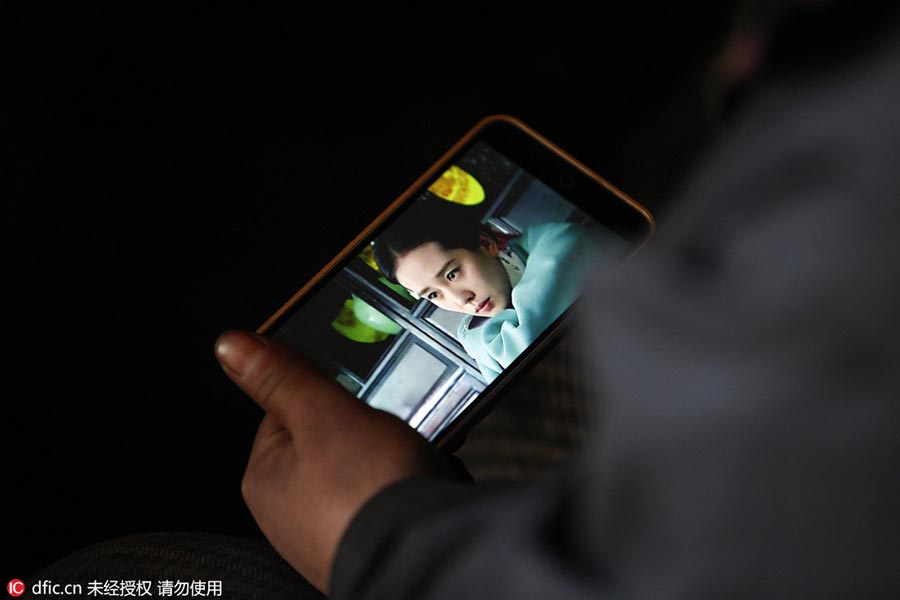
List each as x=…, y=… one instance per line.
x=423, y=538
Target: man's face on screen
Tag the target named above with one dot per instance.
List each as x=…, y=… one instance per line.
x=459, y=280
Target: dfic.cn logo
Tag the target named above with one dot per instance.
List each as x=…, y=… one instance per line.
x=15, y=587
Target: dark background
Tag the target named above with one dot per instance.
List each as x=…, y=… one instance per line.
x=176, y=172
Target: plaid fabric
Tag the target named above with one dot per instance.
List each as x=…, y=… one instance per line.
x=533, y=430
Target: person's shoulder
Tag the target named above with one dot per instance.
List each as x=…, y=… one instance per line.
x=550, y=228
x=532, y=233
x=556, y=233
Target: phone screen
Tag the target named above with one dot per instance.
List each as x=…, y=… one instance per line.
x=428, y=314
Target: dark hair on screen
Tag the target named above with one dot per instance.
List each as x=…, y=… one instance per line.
x=428, y=220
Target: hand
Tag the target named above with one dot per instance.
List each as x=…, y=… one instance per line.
x=319, y=455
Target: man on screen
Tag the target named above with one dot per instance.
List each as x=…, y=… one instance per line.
x=510, y=288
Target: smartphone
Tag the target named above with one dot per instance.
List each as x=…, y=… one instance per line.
x=465, y=280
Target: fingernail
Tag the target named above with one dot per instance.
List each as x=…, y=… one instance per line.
x=235, y=350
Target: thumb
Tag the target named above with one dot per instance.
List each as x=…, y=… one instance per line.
x=278, y=378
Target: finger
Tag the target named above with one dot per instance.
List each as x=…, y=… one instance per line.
x=282, y=382
x=271, y=432
x=270, y=457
